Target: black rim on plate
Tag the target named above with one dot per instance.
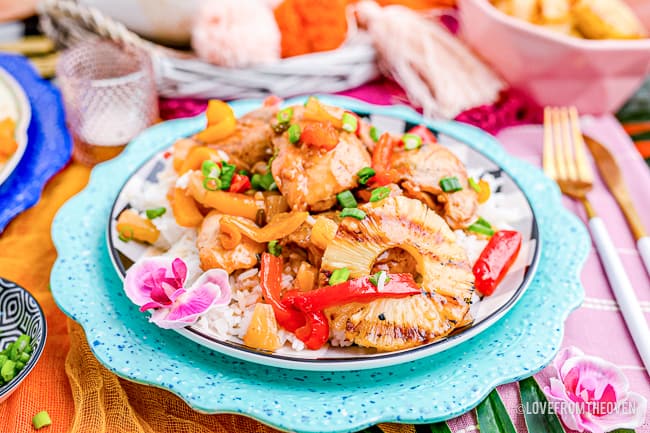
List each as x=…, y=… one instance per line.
x=118, y=260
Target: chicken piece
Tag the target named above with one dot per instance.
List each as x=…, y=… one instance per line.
x=251, y=141
x=421, y=171
x=310, y=177
x=213, y=255
x=441, y=265
x=302, y=239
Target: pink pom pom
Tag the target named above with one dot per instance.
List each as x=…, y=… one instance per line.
x=236, y=33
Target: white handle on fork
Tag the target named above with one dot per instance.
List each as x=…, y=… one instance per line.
x=622, y=288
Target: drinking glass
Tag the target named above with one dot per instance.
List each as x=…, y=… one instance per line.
x=109, y=94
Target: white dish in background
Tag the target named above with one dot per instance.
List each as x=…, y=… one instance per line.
x=166, y=21
x=14, y=104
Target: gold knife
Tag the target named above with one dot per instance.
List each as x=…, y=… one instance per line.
x=610, y=172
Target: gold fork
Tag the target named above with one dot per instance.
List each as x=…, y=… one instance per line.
x=565, y=161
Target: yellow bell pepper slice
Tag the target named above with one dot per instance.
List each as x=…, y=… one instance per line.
x=196, y=156
x=184, y=208
x=229, y=203
x=217, y=111
x=130, y=225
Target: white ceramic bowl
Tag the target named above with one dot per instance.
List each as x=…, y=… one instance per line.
x=165, y=21
x=597, y=76
x=20, y=313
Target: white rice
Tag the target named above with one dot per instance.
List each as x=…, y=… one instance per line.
x=471, y=243
x=230, y=322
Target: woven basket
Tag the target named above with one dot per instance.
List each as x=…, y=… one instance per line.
x=182, y=74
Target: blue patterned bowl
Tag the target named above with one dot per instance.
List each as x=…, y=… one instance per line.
x=87, y=288
x=20, y=314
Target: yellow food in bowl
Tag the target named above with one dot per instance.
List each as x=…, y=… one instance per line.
x=607, y=19
x=590, y=19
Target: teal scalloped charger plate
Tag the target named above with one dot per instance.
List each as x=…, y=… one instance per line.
x=87, y=288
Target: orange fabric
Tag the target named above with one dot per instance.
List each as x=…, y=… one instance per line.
x=308, y=26
x=81, y=395
x=26, y=257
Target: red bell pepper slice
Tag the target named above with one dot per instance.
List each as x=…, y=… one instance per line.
x=356, y=290
x=381, y=157
x=239, y=183
x=270, y=282
x=320, y=134
x=424, y=133
x=495, y=260
x=316, y=331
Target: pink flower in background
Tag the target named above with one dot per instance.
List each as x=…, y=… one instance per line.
x=593, y=394
x=158, y=284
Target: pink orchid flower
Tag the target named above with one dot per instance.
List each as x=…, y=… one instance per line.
x=158, y=284
x=593, y=394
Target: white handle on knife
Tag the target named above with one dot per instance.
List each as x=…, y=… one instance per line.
x=623, y=291
x=643, y=244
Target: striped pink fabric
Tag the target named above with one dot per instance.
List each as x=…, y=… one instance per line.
x=597, y=327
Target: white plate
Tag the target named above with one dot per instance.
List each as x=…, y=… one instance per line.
x=486, y=312
x=14, y=104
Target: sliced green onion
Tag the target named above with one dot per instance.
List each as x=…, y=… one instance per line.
x=472, y=183
x=211, y=183
x=227, y=172
x=353, y=212
x=411, y=141
x=379, y=193
x=210, y=169
x=41, y=419
x=339, y=276
x=274, y=248
x=374, y=279
x=14, y=353
x=155, y=213
x=349, y=122
x=450, y=184
x=346, y=199
x=482, y=222
x=284, y=116
x=374, y=133
x=294, y=133
x=22, y=342
x=264, y=182
x=481, y=229
x=245, y=173
x=8, y=370
x=24, y=357
x=365, y=174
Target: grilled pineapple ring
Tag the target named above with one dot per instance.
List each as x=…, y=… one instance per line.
x=447, y=279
